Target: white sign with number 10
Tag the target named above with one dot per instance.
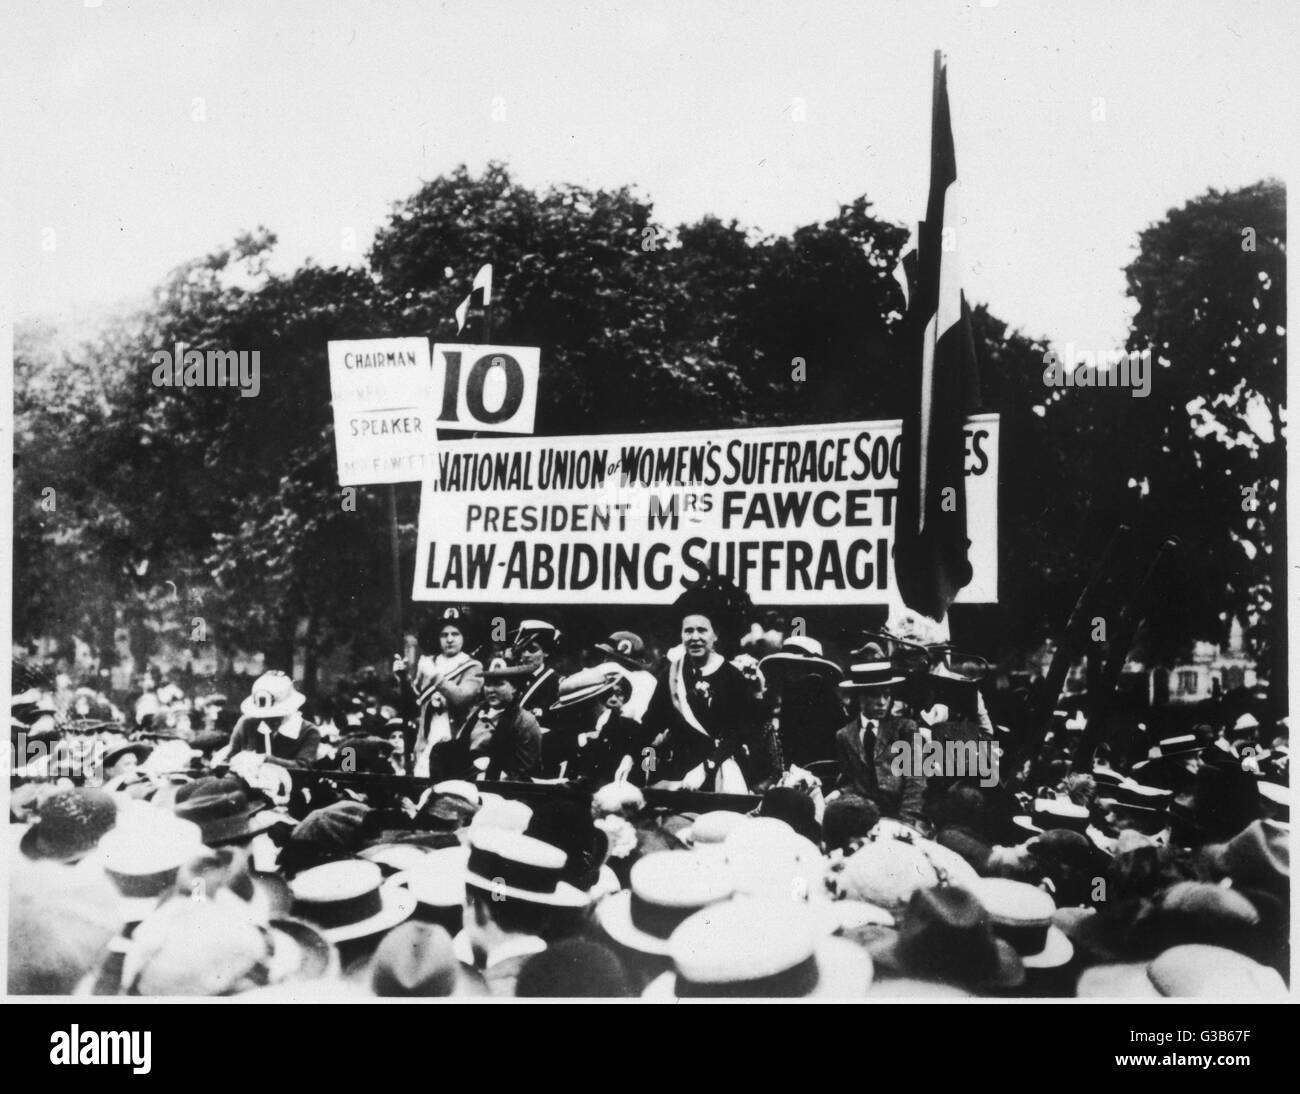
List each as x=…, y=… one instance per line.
x=487, y=389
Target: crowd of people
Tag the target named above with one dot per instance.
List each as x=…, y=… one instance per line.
x=501, y=820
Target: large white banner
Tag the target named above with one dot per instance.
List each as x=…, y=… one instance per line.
x=800, y=515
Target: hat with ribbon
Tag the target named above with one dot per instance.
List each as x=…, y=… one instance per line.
x=870, y=670
x=799, y=656
x=510, y=864
x=626, y=648
x=760, y=949
x=349, y=899
x=666, y=889
x=273, y=696
x=1022, y=915
x=546, y=635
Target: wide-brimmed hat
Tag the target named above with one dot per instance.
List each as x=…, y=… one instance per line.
x=395, y=858
x=886, y=872
x=273, y=696
x=510, y=864
x=1136, y=797
x=766, y=857
x=626, y=648
x=139, y=749
x=1022, y=915
x=223, y=810
x=211, y=948
x=1179, y=744
x=350, y=899
x=947, y=935
x=546, y=635
x=1050, y=814
x=583, y=686
x=438, y=880
x=1195, y=971
x=665, y=889
x=713, y=827
x=143, y=855
x=69, y=824
x=749, y=949
x=870, y=669
x=799, y=656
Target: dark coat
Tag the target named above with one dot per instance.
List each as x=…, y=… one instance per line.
x=514, y=750
x=730, y=714
x=896, y=796
x=300, y=751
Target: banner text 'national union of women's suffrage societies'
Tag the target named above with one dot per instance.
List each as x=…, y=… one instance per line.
x=794, y=515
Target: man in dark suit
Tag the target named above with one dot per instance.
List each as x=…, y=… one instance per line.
x=868, y=747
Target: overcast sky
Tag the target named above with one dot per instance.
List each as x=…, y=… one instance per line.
x=144, y=134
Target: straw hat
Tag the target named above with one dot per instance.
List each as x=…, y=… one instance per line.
x=350, y=899
x=666, y=889
x=760, y=949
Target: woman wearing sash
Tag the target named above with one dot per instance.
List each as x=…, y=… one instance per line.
x=705, y=707
x=446, y=687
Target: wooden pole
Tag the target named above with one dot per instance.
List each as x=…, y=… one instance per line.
x=395, y=560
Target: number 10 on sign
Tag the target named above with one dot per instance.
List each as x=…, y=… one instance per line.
x=491, y=389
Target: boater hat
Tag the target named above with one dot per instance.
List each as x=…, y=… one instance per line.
x=1022, y=915
x=872, y=669
x=349, y=899
x=666, y=889
x=799, y=656
x=510, y=864
x=747, y=949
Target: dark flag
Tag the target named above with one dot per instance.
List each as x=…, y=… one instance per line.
x=930, y=542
